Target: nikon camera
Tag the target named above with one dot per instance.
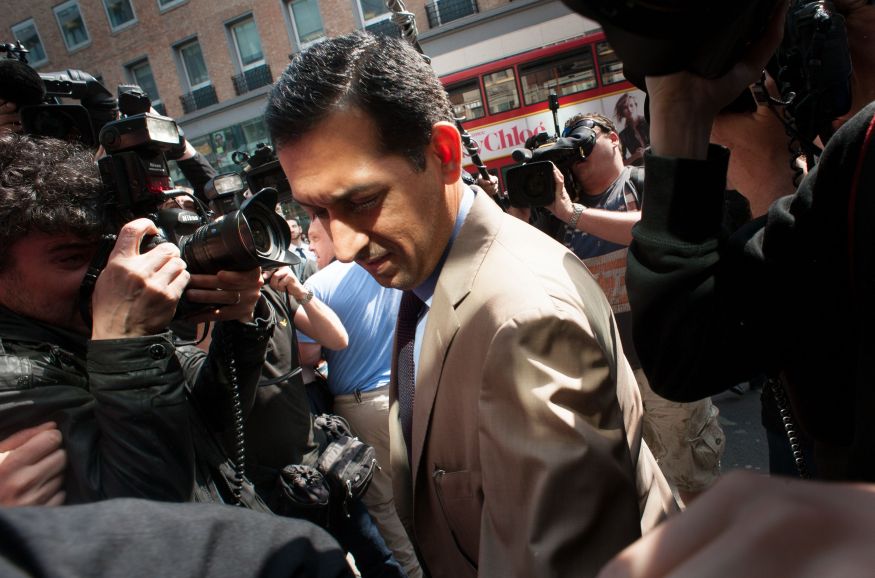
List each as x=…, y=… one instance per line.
x=137, y=178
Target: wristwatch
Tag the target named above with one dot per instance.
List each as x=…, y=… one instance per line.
x=306, y=298
x=575, y=214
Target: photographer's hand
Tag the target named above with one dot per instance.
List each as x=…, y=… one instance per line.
x=562, y=206
x=313, y=317
x=32, y=464
x=683, y=105
x=284, y=279
x=136, y=294
x=10, y=119
x=235, y=293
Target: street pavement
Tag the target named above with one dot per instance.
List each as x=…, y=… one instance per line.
x=746, y=445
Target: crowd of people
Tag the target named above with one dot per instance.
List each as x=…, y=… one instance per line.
x=533, y=383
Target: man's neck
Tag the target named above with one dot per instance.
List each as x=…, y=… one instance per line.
x=601, y=182
x=298, y=242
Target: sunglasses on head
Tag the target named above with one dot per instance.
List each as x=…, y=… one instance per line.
x=585, y=123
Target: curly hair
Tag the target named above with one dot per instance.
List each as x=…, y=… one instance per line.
x=46, y=185
x=381, y=76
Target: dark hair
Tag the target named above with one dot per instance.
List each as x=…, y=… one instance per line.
x=382, y=76
x=46, y=185
x=599, y=118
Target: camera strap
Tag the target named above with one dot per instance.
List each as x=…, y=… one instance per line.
x=98, y=262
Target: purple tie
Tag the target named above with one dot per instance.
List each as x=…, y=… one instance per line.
x=408, y=314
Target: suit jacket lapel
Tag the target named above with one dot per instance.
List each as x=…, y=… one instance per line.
x=454, y=284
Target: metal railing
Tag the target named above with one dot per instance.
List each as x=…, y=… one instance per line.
x=253, y=78
x=198, y=99
x=443, y=11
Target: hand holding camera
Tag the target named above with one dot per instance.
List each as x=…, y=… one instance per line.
x=233, y=294
x=683, y=105
x=136, y=294
x=561, y=207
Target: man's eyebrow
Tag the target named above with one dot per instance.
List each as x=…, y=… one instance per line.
x=343, y=195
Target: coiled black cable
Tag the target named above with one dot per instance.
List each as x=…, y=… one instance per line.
x=239, y=446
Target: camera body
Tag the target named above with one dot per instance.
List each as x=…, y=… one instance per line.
x=263, y=170
x=531, y=184
x=71, y=122
x=814, y=67
x=137, y=178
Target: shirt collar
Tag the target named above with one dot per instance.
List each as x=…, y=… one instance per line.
x=425, y=291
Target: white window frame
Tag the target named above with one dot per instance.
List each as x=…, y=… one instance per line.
x=191, y=87
x=365, y=23
x=169, y=5
x=32, y=23
x=231, y=27
x=130, y=22
x=63, y=6
x=129, y=70
x=304, y=45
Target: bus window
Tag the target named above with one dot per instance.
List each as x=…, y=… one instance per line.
x=501, y=91
x=466, y=100
x=563, y=75
x=609, y=65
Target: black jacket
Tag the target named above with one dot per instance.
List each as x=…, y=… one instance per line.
x=791, y=293
x=122, y=405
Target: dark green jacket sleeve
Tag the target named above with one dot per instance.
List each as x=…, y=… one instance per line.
x=695, y=292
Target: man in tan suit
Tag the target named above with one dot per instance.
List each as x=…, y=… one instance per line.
x=524, y=455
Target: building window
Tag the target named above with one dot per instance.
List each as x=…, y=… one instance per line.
x=201, y=92
x=168, y=4
x=374, y=13
x=306, y=21
x=466, y=100
x=26, y=33
x=501, y=94
x=194, y=66
x=609, y=64
x=140, y=74
x=443, y=11
x=247, y=44
x=120, y=13
x=72, y=25
x=561, y=75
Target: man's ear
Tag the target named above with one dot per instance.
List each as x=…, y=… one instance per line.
x=446, y=146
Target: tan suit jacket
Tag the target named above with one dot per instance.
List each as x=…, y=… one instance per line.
x=527, y=458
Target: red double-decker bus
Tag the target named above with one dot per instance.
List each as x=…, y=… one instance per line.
x=505, y=101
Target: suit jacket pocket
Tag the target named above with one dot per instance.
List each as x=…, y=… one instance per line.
x=461, y=511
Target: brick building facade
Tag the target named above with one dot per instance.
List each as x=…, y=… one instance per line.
x=209, y=63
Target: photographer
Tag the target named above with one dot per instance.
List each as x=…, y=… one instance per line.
x=711, y=310
x=118, y=398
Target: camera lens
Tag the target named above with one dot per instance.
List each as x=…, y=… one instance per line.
x=260, y=236
x=241, y=240
x=536, y=187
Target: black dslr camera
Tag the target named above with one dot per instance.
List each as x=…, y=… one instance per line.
x=531, y=184
x=137, y=178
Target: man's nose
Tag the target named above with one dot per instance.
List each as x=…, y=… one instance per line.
x=348, y=240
